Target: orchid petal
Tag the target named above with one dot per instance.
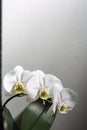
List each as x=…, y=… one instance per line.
x=69, y=97
x=9, y=81
x=57, y=89
x=19, y=70
x=56, y=95
x=50, y=80
x=26, y=76
x=32, y=87
x=39, y=73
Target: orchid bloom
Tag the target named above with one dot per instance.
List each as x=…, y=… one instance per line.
x=40, y=85
x=64, y=100
x=15, y=81
x=36, y=85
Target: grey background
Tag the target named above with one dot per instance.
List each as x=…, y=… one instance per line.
x=50, y=35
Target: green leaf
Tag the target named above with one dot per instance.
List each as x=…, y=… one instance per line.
x=11, y=124
x=35, y=118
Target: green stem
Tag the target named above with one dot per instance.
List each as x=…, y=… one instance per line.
x=2, y=108
x=9, y=99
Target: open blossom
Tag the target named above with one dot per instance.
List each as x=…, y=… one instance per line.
x=64, y=100
x=40, y=85
x=36, y=85
x=15, y=81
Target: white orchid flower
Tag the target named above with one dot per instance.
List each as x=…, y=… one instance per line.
x=15, y=80
x=64, y=100
x=40, y=85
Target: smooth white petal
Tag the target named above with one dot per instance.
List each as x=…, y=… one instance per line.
x=19, y=70
x=50, y=80
x=26, y=76
x=69, y=97
x=57, y=88
x=56, y=96
x=39, y=73
x=32, y=87
x=9, y=81
x=56, y=91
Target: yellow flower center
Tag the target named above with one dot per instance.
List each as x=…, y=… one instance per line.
x=63, y=108
x=42, y=93
x=19, y=88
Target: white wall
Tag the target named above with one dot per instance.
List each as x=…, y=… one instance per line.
x=50, y=35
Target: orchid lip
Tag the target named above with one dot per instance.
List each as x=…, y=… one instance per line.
x=18, y=87
x=63, y=108
x=42, y=93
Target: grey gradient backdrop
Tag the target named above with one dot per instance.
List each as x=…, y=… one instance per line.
x=50, y=35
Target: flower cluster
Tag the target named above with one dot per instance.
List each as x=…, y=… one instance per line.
x=37, y=85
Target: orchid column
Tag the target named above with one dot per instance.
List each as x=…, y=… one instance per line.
x=1, y=118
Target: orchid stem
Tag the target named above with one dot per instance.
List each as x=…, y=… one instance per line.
x=9, y=99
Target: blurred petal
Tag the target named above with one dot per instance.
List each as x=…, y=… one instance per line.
x=26, y=75
x=69, y=97
x=55, y=91
x=19, y=70
x=9, y=81
x=39, y=73
x=32, y=87
x=56, y=96
x=50, y=80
